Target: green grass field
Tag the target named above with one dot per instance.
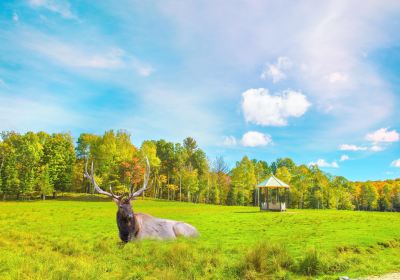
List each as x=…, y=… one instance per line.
x=79, y=240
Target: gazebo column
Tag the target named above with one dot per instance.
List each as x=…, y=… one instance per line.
x=286, y=196
x=266, y=199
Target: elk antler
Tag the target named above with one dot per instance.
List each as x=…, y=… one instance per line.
x=145, y=182
x=90, y=177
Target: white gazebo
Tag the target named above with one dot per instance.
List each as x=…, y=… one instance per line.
x=272, y=201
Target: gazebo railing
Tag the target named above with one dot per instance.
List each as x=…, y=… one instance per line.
x=275, y=206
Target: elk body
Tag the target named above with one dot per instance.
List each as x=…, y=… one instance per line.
x=137, y=225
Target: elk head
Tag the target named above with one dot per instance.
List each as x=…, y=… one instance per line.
x=126, y=222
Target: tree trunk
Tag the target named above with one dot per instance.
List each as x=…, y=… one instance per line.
x=155, y=191
x=180, y=188
x=208, y=189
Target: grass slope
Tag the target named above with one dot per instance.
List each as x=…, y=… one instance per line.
x=79, y=240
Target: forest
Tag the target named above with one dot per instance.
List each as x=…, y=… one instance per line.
x=44, y=165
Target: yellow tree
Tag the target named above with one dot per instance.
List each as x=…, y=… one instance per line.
x=148, y=150
x=244, y=181
x=171, y=191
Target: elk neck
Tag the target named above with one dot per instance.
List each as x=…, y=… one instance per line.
x=127, y=226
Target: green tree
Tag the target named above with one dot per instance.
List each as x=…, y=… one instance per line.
x=44, y=185
x=8, y=171
x=84, y=144
x=286, y=162
x=166, y=154
x=190, y=145
x=214, y=189
x=301, y=182
x=108, y=152
x=244, y=180
x=343, y=193
x=368, y=196
x=262, y=170
x=320, y=183
x=181, y=159
x=59, y=156
x=20, y=163
x=385, y=199
x=190, y=182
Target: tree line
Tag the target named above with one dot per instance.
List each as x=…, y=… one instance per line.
x=34, y=164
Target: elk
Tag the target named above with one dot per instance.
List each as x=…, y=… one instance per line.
x=137, y=226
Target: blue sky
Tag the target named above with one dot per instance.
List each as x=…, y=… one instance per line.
x=318, y=81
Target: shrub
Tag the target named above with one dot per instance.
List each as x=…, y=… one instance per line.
x=390, y=244
x=312, y=263
x=266, y=259
x=348, y=249
x=335, y=265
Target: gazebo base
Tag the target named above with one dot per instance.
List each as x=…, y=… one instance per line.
x=280, y=206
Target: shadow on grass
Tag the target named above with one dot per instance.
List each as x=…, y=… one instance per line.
x=86, y=199
x=258, y=211
x=247, y=212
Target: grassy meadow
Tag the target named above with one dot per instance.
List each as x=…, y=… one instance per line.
x=73, y=239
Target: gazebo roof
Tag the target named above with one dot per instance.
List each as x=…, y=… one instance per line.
x=272, y=182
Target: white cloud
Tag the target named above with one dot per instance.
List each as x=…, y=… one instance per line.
x=254, y=139
x=376, y=148
x=347, y=147
x=61, y=7
x=323, y=163
x=395, y=163
x=373, y=148
x=73, y=56
x=275, y=71
x=344, y=158
x=260, y=107
x=383, y=135
x=76, y=55
x=230, y=141
x=337, y=77
x=15, y=17
x=144, y=70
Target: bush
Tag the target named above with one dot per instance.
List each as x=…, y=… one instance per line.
x=312, y=263
x=266, y=259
